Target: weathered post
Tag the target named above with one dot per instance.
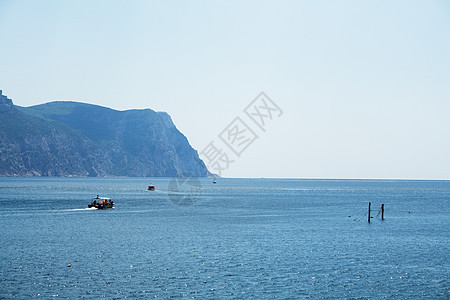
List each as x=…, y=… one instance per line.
x=382, y=211
x=368, y=219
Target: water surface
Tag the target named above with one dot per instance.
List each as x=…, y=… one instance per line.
x=239, y=238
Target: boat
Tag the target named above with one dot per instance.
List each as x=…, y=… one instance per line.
x=101, y=203
x=151, y=187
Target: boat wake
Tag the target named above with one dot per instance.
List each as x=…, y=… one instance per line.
x=80, y=209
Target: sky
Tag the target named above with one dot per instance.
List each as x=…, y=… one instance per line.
x=362, y=87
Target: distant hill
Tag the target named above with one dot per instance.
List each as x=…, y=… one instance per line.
x=76, y=139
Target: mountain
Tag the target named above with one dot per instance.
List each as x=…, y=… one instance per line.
x=65, y=138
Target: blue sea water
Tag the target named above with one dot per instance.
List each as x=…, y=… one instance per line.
x=239, y=238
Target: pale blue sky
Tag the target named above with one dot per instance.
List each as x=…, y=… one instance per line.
x=364, y=85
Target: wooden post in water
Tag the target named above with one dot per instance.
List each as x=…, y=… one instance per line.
x=382, y=211
x=368, y=219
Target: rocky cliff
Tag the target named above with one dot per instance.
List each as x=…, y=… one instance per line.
x=77, y=139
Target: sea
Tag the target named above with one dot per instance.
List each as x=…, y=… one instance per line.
x=233, y=239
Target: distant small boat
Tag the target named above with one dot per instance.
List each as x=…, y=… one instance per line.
x=214, y=181
x=101, y=203
x=151, y=187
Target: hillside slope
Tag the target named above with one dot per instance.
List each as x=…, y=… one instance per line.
x=77, y=139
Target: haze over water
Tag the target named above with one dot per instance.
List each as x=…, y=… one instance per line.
x=239, y=238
